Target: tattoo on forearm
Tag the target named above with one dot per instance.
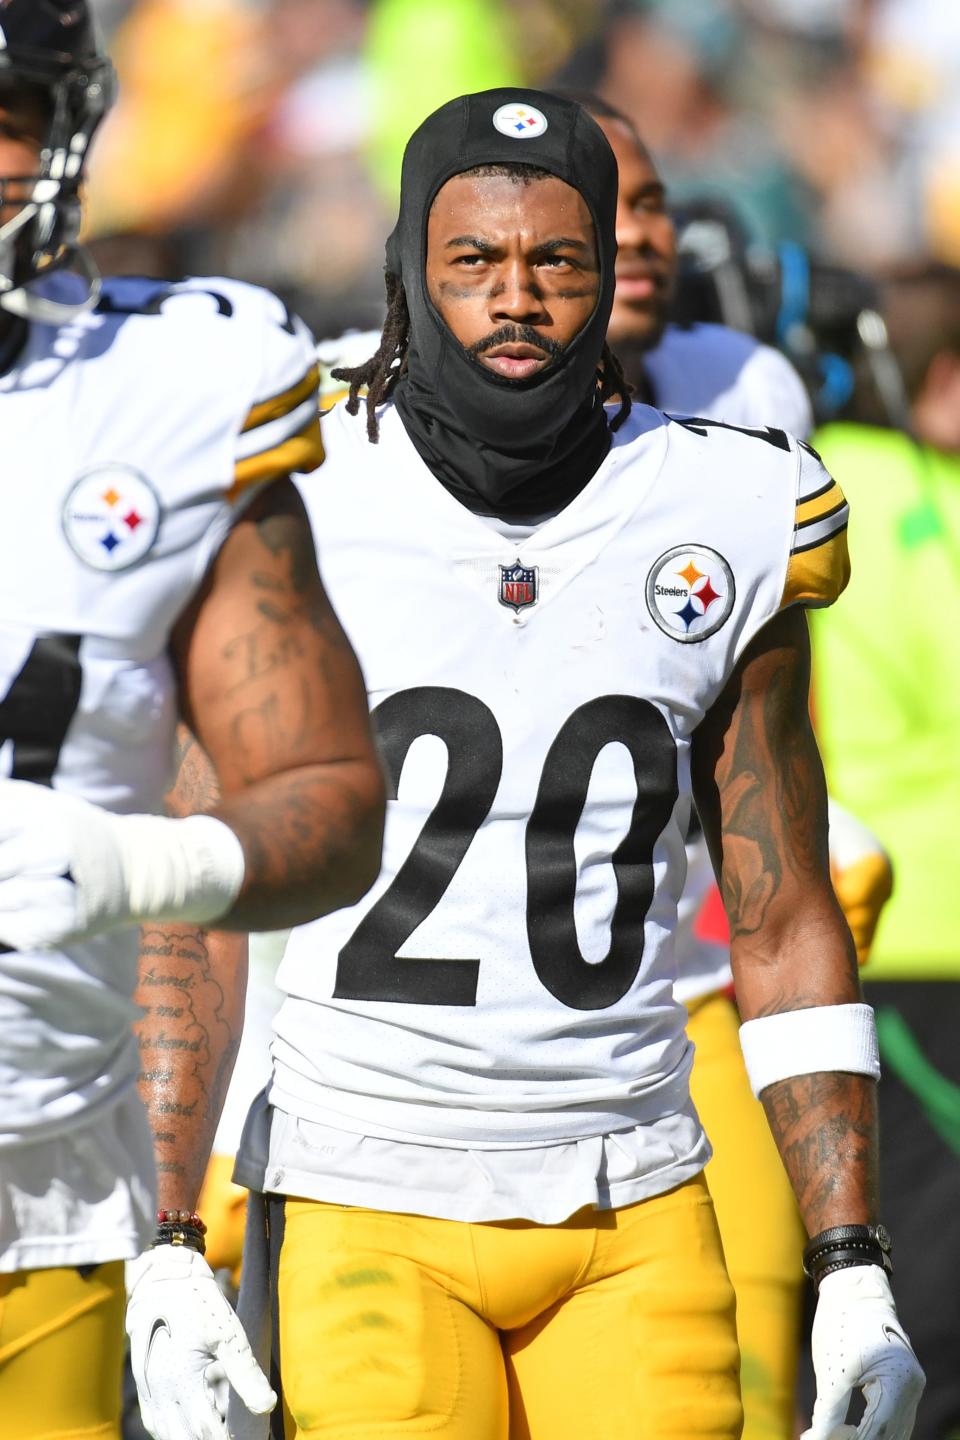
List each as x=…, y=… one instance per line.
x=186, y=1041
x=825, y=1129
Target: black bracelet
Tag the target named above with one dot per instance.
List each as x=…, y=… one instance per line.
x=175, y=1232
x=844, y=1246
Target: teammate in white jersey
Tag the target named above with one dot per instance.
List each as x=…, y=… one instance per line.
x=149, y=565
x=487, y=1215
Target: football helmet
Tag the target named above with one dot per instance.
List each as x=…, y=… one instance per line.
x=50, y=46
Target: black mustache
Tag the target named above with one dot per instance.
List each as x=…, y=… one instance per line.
x=516, y=335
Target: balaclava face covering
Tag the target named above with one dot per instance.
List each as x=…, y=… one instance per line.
x=514, y=448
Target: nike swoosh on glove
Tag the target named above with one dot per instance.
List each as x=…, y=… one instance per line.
x=858, y=1343
x=182, y=1331
x=69, y=869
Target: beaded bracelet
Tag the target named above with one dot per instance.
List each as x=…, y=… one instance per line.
x=180, y=1227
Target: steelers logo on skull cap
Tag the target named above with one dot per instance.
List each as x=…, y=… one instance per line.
x=520, y=122
x=111, y=517
x=690, y=592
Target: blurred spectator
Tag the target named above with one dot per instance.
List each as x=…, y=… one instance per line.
x=887, y=697
x=913, y=66
x=193, y=91
x=446, y=48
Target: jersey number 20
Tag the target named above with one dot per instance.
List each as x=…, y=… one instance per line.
x=370, y=966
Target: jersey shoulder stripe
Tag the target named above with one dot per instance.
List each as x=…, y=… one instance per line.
x=301, y=452
x=281, y=434
x=277, y=406
x=819, y=564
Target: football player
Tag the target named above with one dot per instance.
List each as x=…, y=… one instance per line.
x=483, y=1171
x=154, y=559
x=716, y=372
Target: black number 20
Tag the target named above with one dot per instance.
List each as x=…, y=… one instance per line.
x=369, y=965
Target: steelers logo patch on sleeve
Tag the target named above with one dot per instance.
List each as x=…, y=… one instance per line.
x=111, y=517
x=690, y=592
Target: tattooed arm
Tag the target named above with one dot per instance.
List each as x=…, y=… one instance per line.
x=283, y=754
x=762, y=799
x=272, y=690
x=192, y=990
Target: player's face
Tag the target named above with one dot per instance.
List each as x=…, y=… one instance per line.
x=646, y=244
x=23, y=123
x=512, y=268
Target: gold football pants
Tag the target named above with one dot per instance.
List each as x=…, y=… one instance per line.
x=760, y=1225
x=223, y=1206
x=61, y=1353
x=614, y=1325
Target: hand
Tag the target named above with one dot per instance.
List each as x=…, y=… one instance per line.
x=858, y=1343
x=60, y=866
x=69, y=869
x=182, y=1334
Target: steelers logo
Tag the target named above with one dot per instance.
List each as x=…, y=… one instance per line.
x=111, y=517
x=690, y=592
x=520, y=122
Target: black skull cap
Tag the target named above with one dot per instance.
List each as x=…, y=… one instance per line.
x=507, y=126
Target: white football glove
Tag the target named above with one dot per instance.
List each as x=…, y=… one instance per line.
x=183, y=1337
x=69, y=869
x=858, y=1343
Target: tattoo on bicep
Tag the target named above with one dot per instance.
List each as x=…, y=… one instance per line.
x=270, y=727
x=290, y=593
x=195, y=788
x=769, y=802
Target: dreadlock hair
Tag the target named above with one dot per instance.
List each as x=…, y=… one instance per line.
x=381, y=372
x=614, y=385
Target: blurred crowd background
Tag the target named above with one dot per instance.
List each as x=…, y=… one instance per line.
x=263, y=137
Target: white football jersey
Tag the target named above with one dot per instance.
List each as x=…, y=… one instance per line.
x=131, y=437
x=707, y=370
x=509, y=977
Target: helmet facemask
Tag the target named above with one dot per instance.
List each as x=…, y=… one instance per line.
x=40, y=236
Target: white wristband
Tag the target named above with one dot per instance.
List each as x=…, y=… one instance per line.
x=802, y=1042
x=188, y=869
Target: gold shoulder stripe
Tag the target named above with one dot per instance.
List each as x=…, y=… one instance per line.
x=827, y=499
x=283, y=403
x=303, y=452
x=819, y=573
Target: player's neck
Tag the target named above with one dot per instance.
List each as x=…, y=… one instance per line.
x=13, y=333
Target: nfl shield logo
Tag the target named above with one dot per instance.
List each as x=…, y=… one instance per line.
x=518, y=585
